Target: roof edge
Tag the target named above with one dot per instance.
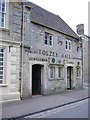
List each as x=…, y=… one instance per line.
x=54, y=29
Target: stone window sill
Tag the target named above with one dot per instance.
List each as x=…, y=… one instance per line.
x=3, y=85
x=4, y=29
x=78, y=77
x=54, y=79
x=51, y=79
x=60, y=78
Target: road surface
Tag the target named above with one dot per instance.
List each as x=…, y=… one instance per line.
x=75, y=110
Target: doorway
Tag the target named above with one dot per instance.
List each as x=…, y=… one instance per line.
x=36, y=79
x=69, y=77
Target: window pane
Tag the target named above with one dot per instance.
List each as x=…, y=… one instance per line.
x=3, y=9
x=46, y=42
x=2, y=24
x=66, y=45
x=50, y=42
x=1, y=55
x=1, y=68
x=50, y=37
x=1, y=59
x=1, y=72
x=1, y=81
x=69, y=45
x=1, y=63
x=3, y=5
x=51, y=72
x=59, y=72
x=1, y=50
x=46, y=38
x=2, y=12
x=1, y=77
x=0, y=5
x=78, y=72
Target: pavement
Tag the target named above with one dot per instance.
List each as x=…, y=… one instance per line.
x=36, y=104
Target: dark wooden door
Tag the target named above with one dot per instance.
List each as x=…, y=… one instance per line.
x=69, y=78
x=36, y=79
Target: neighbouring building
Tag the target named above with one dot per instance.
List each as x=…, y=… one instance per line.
x=10, y=38
x=85, y=54
x=39, y=54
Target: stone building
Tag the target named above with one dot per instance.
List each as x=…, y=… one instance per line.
x=85, y=54
x=39, y=54
x=10, y=37
x=51, y=60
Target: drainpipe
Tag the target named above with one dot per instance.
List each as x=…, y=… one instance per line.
x=82, y=47
x=80, y=32
x=21, y=51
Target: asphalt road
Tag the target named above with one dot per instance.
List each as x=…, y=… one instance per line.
x=75, y=110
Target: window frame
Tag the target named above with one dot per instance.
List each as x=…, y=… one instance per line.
x=59, y=72
x=48, y=39
x=3, y=23
x=78, y=72
x=68, y=44
x=52, y=72
x=2, y=65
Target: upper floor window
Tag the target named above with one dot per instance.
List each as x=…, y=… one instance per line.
x=1, y=65
x=2, y=13
x=48, y=39
x=68, y=44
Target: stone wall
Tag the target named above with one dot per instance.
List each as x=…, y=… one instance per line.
x=85, y=61
x=36, y=52
x=10, y=38
x=13, y=30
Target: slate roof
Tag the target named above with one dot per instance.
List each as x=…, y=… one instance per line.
x=50, y=20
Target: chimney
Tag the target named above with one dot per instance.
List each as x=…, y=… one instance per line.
x=80, y=29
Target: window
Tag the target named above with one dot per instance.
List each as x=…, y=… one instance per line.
x=48, y=39
x=2, y=13
x=1, y=65
x=78, y=72
x=59, y=72
x=68, y=44
x=52, y=71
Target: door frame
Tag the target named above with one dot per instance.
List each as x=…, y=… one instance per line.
x=70, y=77
x=41, y=79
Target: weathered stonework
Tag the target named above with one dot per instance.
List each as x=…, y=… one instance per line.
x=21, y=61
x=36, y=52
x=10, y=38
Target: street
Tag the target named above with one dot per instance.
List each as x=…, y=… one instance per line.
x=75, y=110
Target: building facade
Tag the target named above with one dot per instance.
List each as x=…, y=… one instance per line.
x=10, y=38
x=40, y=53
x=85, y=54
x=52, y=59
